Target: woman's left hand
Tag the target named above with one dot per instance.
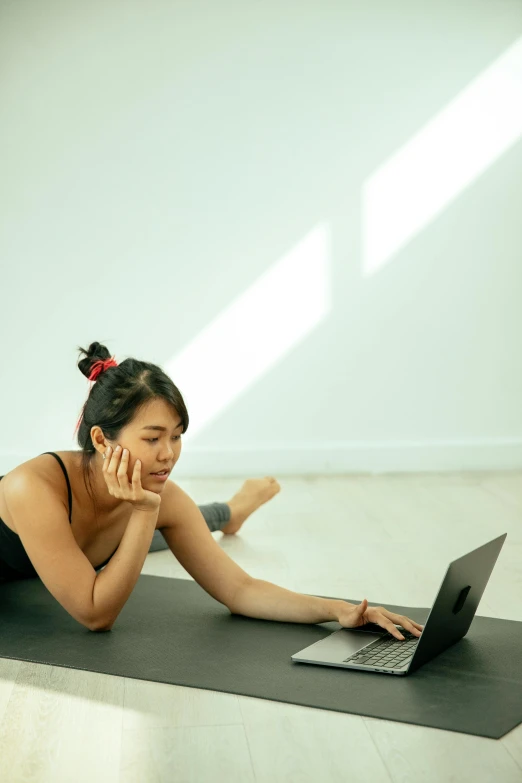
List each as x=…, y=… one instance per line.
x=355, y=615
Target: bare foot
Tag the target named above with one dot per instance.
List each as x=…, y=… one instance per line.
x=252, y=494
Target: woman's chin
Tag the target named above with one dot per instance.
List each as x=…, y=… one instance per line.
x=156, y=486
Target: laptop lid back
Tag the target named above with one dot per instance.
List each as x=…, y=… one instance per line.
x=456, y=602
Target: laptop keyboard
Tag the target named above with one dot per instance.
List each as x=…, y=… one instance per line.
x=387, y=652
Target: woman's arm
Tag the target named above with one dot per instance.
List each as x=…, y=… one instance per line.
x=114, y=584
x=267, y=601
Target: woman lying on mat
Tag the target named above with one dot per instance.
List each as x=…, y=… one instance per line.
x=128, y=500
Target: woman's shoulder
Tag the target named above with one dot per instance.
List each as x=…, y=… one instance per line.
x=26, y=476
x=44, y=467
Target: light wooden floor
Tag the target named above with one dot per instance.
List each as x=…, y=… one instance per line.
x=388, y=538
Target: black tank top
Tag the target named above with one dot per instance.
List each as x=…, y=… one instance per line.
x=14, y=561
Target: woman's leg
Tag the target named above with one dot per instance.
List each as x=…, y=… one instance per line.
x=216, y=516
x=230, y=516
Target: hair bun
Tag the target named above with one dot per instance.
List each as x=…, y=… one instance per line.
x=94, y=353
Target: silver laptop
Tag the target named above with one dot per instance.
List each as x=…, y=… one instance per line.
x=372, y=648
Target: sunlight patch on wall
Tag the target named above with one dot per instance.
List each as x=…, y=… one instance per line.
x=429, y=172
x=255, y=331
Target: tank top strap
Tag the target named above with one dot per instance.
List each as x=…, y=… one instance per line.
x=66, y=478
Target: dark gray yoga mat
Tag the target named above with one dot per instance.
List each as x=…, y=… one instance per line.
x=172, y=631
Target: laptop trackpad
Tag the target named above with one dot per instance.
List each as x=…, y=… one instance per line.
x=338, y=646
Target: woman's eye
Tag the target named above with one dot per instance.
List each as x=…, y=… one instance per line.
x=152, y=440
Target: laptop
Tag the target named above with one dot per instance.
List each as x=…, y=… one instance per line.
x=371, y=648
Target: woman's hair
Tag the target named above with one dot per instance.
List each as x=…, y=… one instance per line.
x=118, y=395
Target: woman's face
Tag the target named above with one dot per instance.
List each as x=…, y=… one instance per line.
x=158, y=449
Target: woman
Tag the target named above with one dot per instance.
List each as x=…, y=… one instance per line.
x=75, y=466
x=129, y=432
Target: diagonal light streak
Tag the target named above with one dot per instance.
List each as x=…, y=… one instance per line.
x=442, y=159
x=255, y=331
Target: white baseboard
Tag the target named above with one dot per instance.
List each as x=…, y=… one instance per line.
x=494, y=454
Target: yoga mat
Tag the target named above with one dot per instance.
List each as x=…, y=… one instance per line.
x=172, y=631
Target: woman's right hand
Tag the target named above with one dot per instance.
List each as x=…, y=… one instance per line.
x=115, y=466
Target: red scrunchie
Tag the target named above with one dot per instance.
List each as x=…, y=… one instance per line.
x=96, y=370
x=100, y=366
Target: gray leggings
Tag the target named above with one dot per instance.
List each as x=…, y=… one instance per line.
x=216, y=516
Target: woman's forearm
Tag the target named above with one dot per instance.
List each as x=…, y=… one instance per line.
x=114, y=584
x=266, y=601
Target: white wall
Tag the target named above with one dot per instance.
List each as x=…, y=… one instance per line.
x=159, y=158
